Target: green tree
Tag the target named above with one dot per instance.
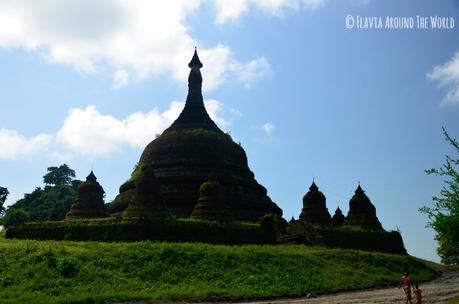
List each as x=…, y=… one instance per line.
x=444, y=214
x=3, y=195
x=59, y=176
x=51, y=202
x=15, y=217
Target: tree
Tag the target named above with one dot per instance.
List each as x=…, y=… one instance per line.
x=59, y=176
x=3, y=195
x=51, y=202
x=444, y=214
x=15, y=217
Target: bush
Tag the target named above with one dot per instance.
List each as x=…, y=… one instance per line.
x=15, y=217
x=68, y=267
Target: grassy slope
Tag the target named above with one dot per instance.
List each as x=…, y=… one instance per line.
x=32, y=271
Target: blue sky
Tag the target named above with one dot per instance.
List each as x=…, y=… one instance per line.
x=89, y=83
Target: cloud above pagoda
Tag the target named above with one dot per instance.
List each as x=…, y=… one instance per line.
x=129, y=40
x=230, y=11
x=15, y=144
x=447, y=76
x=90, y=133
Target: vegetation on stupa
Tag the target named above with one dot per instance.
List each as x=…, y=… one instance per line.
x=443, y=213
x=190, y=150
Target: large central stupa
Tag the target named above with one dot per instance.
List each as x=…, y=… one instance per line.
x=188, y=152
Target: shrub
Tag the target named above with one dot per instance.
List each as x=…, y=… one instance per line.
x=15, y=217
x=67, y=266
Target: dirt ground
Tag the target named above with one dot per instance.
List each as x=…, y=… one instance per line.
x=438, y=291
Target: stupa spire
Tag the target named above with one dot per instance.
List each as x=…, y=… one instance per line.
x=195, y=62
x=359, y=190
x=194, y=115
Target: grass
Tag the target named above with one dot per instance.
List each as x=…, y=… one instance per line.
x=95, y=272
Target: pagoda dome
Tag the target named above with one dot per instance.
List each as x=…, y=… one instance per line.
x=338, y=218
x=362, y=212
x=314, y=206
x=89, y=202
x=188, y=152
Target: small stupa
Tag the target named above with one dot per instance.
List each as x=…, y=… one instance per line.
x=338, y=218
x=191, y=149
x=362, y=212
x=314, y=206
x=89, y=201
x=146, y=202
x=211, y=205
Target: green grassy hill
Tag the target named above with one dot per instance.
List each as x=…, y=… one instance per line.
x=91, y=272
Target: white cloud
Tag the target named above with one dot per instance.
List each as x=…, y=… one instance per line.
x=447, y=76
x=120, y=78
x=253, y=70
x=14, y=144
x=268, y=128
x=227, y=11
x=221, y=59
x=88, y=132
x=132, y=40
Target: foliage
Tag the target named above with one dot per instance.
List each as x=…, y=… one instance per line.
x=59, y=176
x=15, y=217
x=3, y=195
x=183, y=272
x=67, y=266
x=54, y=200
x=135, y=173
x=46, y=204
x=444, y=214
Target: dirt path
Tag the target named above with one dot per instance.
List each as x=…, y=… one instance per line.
x=438, y=291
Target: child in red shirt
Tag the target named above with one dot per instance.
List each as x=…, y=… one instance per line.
x=417, y=293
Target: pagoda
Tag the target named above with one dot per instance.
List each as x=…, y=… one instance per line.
x=89, y=201
x=362, y=212
x=211, y=204
x=188, y=152
x=338, y=218
x=314, y=206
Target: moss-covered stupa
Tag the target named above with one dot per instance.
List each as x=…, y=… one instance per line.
x=190, y=150
x=338, y=218
x=146, y=203
x=314, y=206
x=89, y=202
x=362, y=212
x=211, y=203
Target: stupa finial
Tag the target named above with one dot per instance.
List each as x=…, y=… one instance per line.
x=313, y=186
x=359, y=190
x=91, y=177
x=195, y=62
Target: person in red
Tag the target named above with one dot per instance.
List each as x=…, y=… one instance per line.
x=405, y=283
x=417, y=293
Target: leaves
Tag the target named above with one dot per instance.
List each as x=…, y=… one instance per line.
x=3, y=195
x=59, y=176
x=444, y=212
